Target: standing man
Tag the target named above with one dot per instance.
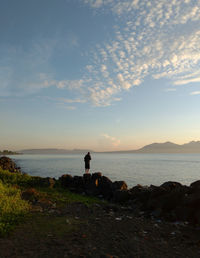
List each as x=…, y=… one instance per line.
x=87, y=159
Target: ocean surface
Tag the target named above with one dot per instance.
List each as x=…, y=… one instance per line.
x=145, y=169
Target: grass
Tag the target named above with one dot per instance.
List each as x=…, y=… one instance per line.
x=12, y=207
x=63, y=196
x=22, y=180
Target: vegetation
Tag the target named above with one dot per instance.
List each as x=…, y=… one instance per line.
x=7, y=152
x=12, y=207
x=14, y=186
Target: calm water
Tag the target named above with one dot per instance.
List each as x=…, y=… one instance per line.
x=135, y=169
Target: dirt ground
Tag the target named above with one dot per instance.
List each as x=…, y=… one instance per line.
x=98, y=231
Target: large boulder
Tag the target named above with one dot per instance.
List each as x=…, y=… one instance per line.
x=96, y=175
x=122, y=196
x=195, y=184
x=78, y=183
x=119, y=185
x=66, y=180
x=8, y=164
x=105, y=187
x=195, y=187
x=170, y=185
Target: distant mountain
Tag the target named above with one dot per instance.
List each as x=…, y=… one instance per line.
x=54, y=151
x=166, y=147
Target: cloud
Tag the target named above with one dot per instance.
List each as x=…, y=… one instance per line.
x=152, y=38
x=64, y=100
x=170, y=90
x=195, y=93
x=155, y=39
x=115, y=142
x=186, y=81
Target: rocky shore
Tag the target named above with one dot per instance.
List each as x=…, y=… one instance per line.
x=170, y=201
x=144, y=221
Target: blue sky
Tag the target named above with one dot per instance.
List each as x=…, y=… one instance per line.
x=99, y=74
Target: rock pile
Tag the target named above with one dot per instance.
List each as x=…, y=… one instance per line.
x=8, y=164
x=171, y=201
x=95, y=185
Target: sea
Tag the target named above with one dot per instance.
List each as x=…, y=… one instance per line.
x=144, y=169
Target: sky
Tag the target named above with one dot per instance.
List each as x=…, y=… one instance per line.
x=99, y=74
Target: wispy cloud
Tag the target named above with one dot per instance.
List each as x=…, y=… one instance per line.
x=115, y=142
x=195, y=93
x=186, y=81
x=170, y=90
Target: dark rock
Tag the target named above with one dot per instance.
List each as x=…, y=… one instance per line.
x=192, y=201
x=8, y=164
x=66, y=180
x=119, y=185
x=172, y=200
x=105, y=187
x=49, y=182
x=96, y=175
x=170, y=185
x=195, y=187
x=86, y=177
x=91, y=187
x=195, y=184
x=78, y=183
x=42, y=181
x=157, y=191
x=121, y=196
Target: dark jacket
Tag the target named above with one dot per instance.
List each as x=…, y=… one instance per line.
x=87, y=159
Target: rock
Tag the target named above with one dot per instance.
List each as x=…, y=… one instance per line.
x=172, y=200
x=195, y=187
x=30, y=194
x=49, y=182
x=78, y=183
x=195, y=184
x=91, y=187
x=42, y=181
x=86, y=178
x=192, y=201
x=121, y=196
x=170, y=185
x=8, y=164
x=105, y=187
x=119, y=185
x=96, y=175
x=66, y=180
x=157, y=191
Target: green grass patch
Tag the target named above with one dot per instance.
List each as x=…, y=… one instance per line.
x=12, y=207
x=15, y=178
x=62, y=196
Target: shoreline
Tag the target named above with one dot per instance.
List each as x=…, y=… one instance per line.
x=114, y=225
